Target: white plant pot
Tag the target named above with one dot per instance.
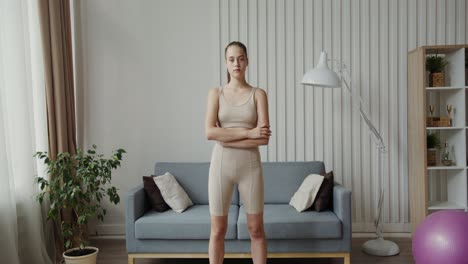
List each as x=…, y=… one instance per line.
x=86, y=259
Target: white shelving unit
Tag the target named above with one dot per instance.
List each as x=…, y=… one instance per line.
x=437, y=187
x=444, y=128
x=437, y=205
x=446, y=168
x=447, y=88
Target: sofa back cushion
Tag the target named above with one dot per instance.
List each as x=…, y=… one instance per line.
x=282, y=179
x=193, y=178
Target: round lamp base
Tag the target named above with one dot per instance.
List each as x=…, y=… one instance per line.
x=380, y=247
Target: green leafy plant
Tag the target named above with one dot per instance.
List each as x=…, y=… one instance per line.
x=433, y=140
x=435, y=63
x=79, y=183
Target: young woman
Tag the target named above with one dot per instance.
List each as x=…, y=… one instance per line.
x=237, y=119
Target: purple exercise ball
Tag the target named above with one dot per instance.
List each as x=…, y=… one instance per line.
x=442, y=238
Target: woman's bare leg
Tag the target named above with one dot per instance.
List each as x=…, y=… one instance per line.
x=257, y=237
x=217, y=235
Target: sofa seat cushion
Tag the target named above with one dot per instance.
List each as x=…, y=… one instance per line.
x=194, y=223
x=282, y=221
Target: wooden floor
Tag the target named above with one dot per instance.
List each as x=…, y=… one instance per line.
x=112, y=251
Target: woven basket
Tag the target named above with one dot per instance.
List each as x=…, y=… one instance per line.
x=437, y=79
x=431, y=157
x=438, y=121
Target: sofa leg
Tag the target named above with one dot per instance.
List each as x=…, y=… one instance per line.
x=131, y=260
x=347, y=259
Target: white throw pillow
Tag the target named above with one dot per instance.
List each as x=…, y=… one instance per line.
x=305, y=195
x=172, y=193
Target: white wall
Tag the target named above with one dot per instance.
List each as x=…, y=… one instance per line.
x=144, y=68
x=147, y=68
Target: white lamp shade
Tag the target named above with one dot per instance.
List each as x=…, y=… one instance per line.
x=321, y=75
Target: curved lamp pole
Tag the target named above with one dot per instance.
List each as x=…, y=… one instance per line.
x=323, y=76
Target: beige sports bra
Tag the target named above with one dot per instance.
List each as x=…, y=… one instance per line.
x=243, y=115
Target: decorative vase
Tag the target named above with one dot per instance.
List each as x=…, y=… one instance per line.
x=89, y=258
x=437, y=79
x=446, y=157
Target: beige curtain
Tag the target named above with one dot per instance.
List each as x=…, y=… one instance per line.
x=58, y=70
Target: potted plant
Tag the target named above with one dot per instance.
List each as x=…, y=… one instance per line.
x=433, y=142
x=435, y=65
x=79, y=184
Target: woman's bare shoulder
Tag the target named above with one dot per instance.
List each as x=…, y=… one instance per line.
x=214, y=91
x=260, y=92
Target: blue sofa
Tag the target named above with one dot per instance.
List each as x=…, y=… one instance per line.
x=289, y=234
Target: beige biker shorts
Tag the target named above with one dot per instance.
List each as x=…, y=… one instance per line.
x=229, y=166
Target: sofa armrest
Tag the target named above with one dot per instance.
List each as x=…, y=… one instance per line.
x=136, y=207
x=342, y=208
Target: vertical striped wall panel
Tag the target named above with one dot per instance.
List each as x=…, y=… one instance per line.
x=284, y=39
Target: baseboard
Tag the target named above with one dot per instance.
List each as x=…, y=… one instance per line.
x=354, y=235
x=117, y=231
x=387, y=228
x=107, y=230
x=117, y=237
x=385, y=235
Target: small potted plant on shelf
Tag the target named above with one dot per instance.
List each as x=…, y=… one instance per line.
x=435, y=64
x=433, y=143
x=79, y=183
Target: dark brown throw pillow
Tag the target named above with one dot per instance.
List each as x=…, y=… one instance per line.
x=154, y=194
x=324, y=199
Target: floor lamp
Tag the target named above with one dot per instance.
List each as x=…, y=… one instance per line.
x=323, y=76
